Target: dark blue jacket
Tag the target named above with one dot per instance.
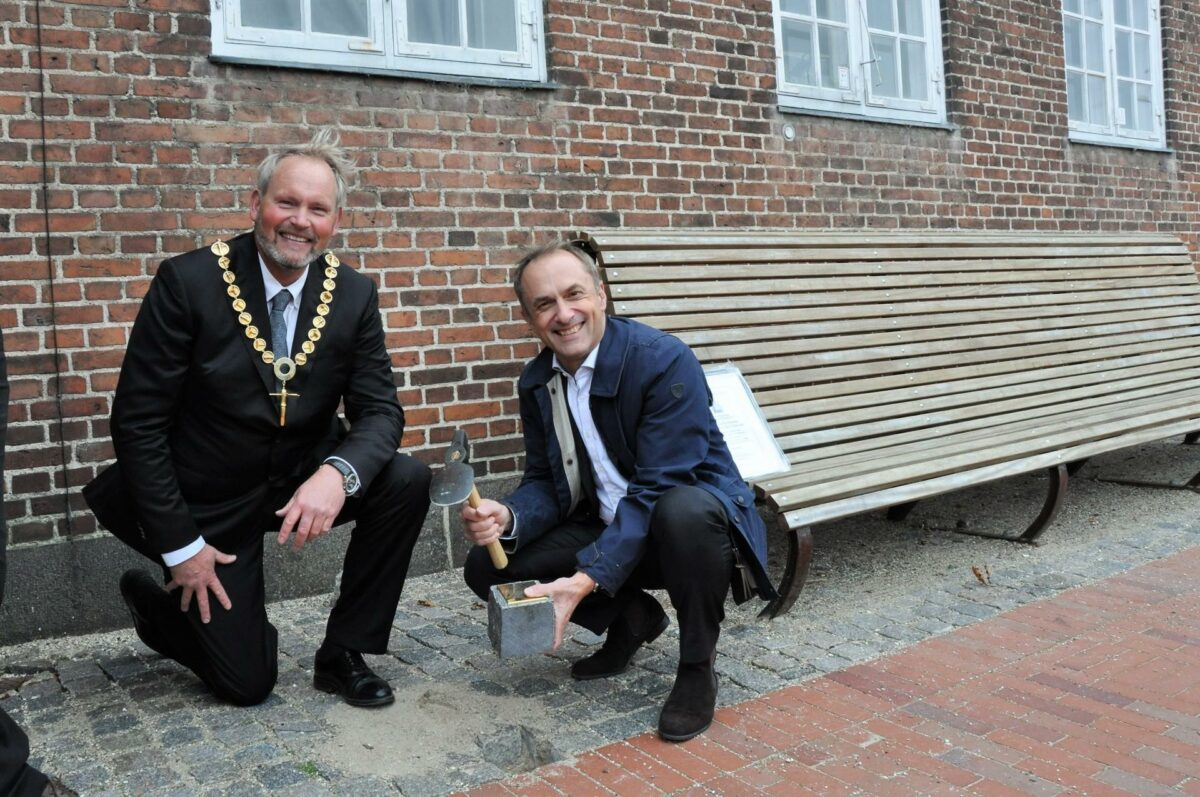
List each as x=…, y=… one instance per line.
x=650, y=402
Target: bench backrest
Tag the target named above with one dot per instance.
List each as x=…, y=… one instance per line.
x=860, y=342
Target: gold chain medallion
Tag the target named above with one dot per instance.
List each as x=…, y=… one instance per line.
x=285, y=367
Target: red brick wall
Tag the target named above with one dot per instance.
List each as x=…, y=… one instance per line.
x=664, y=115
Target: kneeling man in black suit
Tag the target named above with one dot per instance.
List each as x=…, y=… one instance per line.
x=225, y=426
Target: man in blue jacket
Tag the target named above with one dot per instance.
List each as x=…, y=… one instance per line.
x=628, y=485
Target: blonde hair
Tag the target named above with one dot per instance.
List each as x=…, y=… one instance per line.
x=325, y=145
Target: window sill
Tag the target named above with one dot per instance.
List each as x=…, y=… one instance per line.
x=1137, y=146
x=858, y=117
x=435, y=77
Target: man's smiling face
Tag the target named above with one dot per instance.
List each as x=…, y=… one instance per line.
x=296, y=216
x=564, y=306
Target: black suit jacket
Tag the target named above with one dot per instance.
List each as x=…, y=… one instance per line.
x=197, y=435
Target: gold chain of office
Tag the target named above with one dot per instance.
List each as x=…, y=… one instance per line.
x=285, y=367
x=221, y=250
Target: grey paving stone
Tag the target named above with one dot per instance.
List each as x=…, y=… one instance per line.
x=239, y=788
x=626, y=725
x=822, y=639
x=975, y=610
x=149, y=778
x=755, y=679
x=829, y=663
x=175, y=737
x=363, y=787
x=115, y=723
x=255, y=754
x=855, y=651
x=173, y=790
x=88, y=779
x=280, y=776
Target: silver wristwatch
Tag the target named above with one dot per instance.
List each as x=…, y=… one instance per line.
x=349, y=477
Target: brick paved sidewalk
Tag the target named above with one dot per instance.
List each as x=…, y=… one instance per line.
x=1094, y=692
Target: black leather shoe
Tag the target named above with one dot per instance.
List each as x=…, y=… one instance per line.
x=641, y=622
x=344, y=672
x=689, y=709
x=146, y=600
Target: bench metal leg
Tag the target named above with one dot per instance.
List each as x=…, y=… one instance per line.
x=900, y=511
x=795, y=571
x=1191, y=438
x=1058, y=477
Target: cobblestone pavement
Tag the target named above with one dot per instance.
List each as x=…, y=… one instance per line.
x=112, y=718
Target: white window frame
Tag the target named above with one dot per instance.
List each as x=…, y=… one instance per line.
x=1114, y=132
x=386, y=50
x=855, y=98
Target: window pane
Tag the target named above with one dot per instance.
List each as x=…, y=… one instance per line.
x=433, y=22
x=273, y=14
x=1097, y=102
x=879, y=15
x=883, y=71
x=834, y=10
x=1141, y=14
x=797, y=7
x=1071, y=6
x=1095, y=46
x=1141, y=52
x=1076, y=97
x=1124, y=53
x=1145, y=108
x=492, y=24
x=1125, y=103
x=798, y=59
x=1093, y=9
x=912, y=70
x=1073, y=41
x=1121, y=12
x=341, y=17
x=835, y=57
x=912, y=19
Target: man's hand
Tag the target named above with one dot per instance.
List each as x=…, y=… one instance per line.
x=313, y=507
x=485, y=523
x=197, y=576
x=566, y=593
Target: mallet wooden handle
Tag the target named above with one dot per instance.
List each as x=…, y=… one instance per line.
x=499, y=557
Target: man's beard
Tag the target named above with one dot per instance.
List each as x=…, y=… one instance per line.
x=268, y=248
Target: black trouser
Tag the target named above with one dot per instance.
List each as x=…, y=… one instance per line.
x=236, y=653
x=689, y=552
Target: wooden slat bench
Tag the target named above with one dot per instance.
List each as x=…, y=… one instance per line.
x=894, y=366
